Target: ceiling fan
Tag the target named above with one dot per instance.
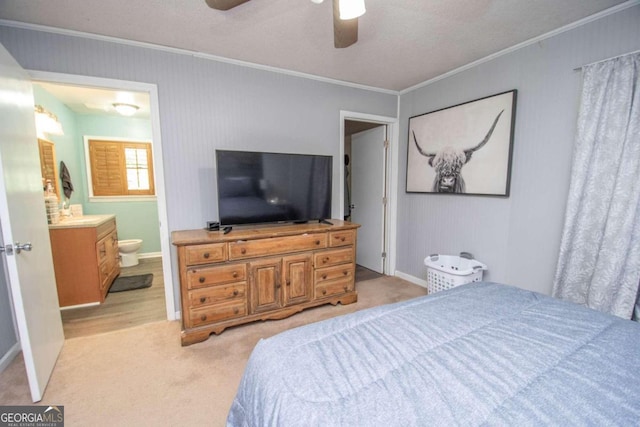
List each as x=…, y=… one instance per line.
x=345, y=21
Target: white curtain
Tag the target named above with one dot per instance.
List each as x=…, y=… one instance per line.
x=599, y=261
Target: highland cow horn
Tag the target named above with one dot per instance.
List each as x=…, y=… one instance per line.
x=432, y=155
x=468, y=152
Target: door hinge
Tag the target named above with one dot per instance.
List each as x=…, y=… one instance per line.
x=384, y=201
x=384, y=254
x=386, y=143
x=8, y=249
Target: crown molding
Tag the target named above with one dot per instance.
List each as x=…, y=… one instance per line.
x=568, y=27
x=200, y=55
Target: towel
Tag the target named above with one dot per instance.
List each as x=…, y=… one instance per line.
x=67, y=186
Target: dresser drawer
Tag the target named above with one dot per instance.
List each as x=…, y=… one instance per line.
x=205, y=254
x=333, y=257
x=333, y=287
x=218, y=312
x=276, y=245
x=342, y=238
x=344, y=271
x=207, y=276
x=216, y=294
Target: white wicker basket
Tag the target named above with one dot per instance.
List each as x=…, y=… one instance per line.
x=448, y=271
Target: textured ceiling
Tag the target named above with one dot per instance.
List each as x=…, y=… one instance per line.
x=401, y=42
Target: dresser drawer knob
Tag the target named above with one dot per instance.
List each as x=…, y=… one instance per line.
x=203, y=317
x=343, y=239
x=324, y=276
x=288, y=283
x=345, y=289
x=236, y=310
x=206, y=255
x=203, y=299
x=234, y=274
x=345, y=272
x=317, y=242
x=201, y=279
x=243, y=251
x=324, y=292
x=235, y=292
x=325, y=260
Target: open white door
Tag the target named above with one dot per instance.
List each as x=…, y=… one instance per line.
x=23, y=221
x=367, y=193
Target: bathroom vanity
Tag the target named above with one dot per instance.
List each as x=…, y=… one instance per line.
x=85, y=258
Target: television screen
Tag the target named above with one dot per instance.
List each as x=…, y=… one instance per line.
x=256, y=187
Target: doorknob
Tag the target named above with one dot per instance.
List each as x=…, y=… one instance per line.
x=8, y=249
x=26, y=247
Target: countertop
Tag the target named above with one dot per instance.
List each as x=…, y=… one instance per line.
x=82, y=221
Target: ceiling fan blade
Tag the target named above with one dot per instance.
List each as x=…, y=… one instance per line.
x=345, y=32
x=224, y=4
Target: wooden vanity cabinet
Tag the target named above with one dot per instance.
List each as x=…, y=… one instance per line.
x=86, y=262
x=260, y=273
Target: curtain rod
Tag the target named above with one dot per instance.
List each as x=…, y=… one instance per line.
x=603, y=60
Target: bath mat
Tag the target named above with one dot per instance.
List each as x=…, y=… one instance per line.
x=130, y=283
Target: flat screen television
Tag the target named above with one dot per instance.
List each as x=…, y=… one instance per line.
x=257, y=187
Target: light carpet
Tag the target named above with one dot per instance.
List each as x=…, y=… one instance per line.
x=142, y=376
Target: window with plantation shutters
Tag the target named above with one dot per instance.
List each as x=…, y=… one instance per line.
x=121, y=168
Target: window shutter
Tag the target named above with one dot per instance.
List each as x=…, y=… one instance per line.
x=121, y=168
x=107, y=168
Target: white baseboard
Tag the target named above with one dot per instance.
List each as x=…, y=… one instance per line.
x=71, y=307
x=150, y=255
x=412, y=279
x=9, y=356
x=178, y=315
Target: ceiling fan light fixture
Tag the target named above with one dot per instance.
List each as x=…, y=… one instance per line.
x=126, y=109
x=351, y=9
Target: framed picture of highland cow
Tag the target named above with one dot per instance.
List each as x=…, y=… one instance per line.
x=464, y=149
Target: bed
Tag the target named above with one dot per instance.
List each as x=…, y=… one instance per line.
x=478, y=354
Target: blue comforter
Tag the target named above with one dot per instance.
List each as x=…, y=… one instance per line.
x=478, y=354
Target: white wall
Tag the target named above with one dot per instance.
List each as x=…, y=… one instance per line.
x=518, y=237
x=206, y=104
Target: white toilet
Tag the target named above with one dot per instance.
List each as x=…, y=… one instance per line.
x=129, y=252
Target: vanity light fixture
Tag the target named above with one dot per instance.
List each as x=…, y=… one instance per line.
x=47, y=122
x=125, y=109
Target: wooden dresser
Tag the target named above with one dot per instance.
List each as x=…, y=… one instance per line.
x=260, y=273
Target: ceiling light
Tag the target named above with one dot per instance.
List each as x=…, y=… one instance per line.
x=47, y=122
x=351, y=9
x=126, y=109
x=317, y=1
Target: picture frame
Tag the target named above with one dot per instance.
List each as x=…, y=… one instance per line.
x=465, y=149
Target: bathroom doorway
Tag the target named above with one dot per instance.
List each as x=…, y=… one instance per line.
x=369, y=146
x=87, y=106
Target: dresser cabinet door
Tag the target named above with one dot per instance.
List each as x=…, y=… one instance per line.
x=265, y=284
x=297, y=278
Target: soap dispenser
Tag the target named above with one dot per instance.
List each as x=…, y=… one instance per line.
x=51, y=203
